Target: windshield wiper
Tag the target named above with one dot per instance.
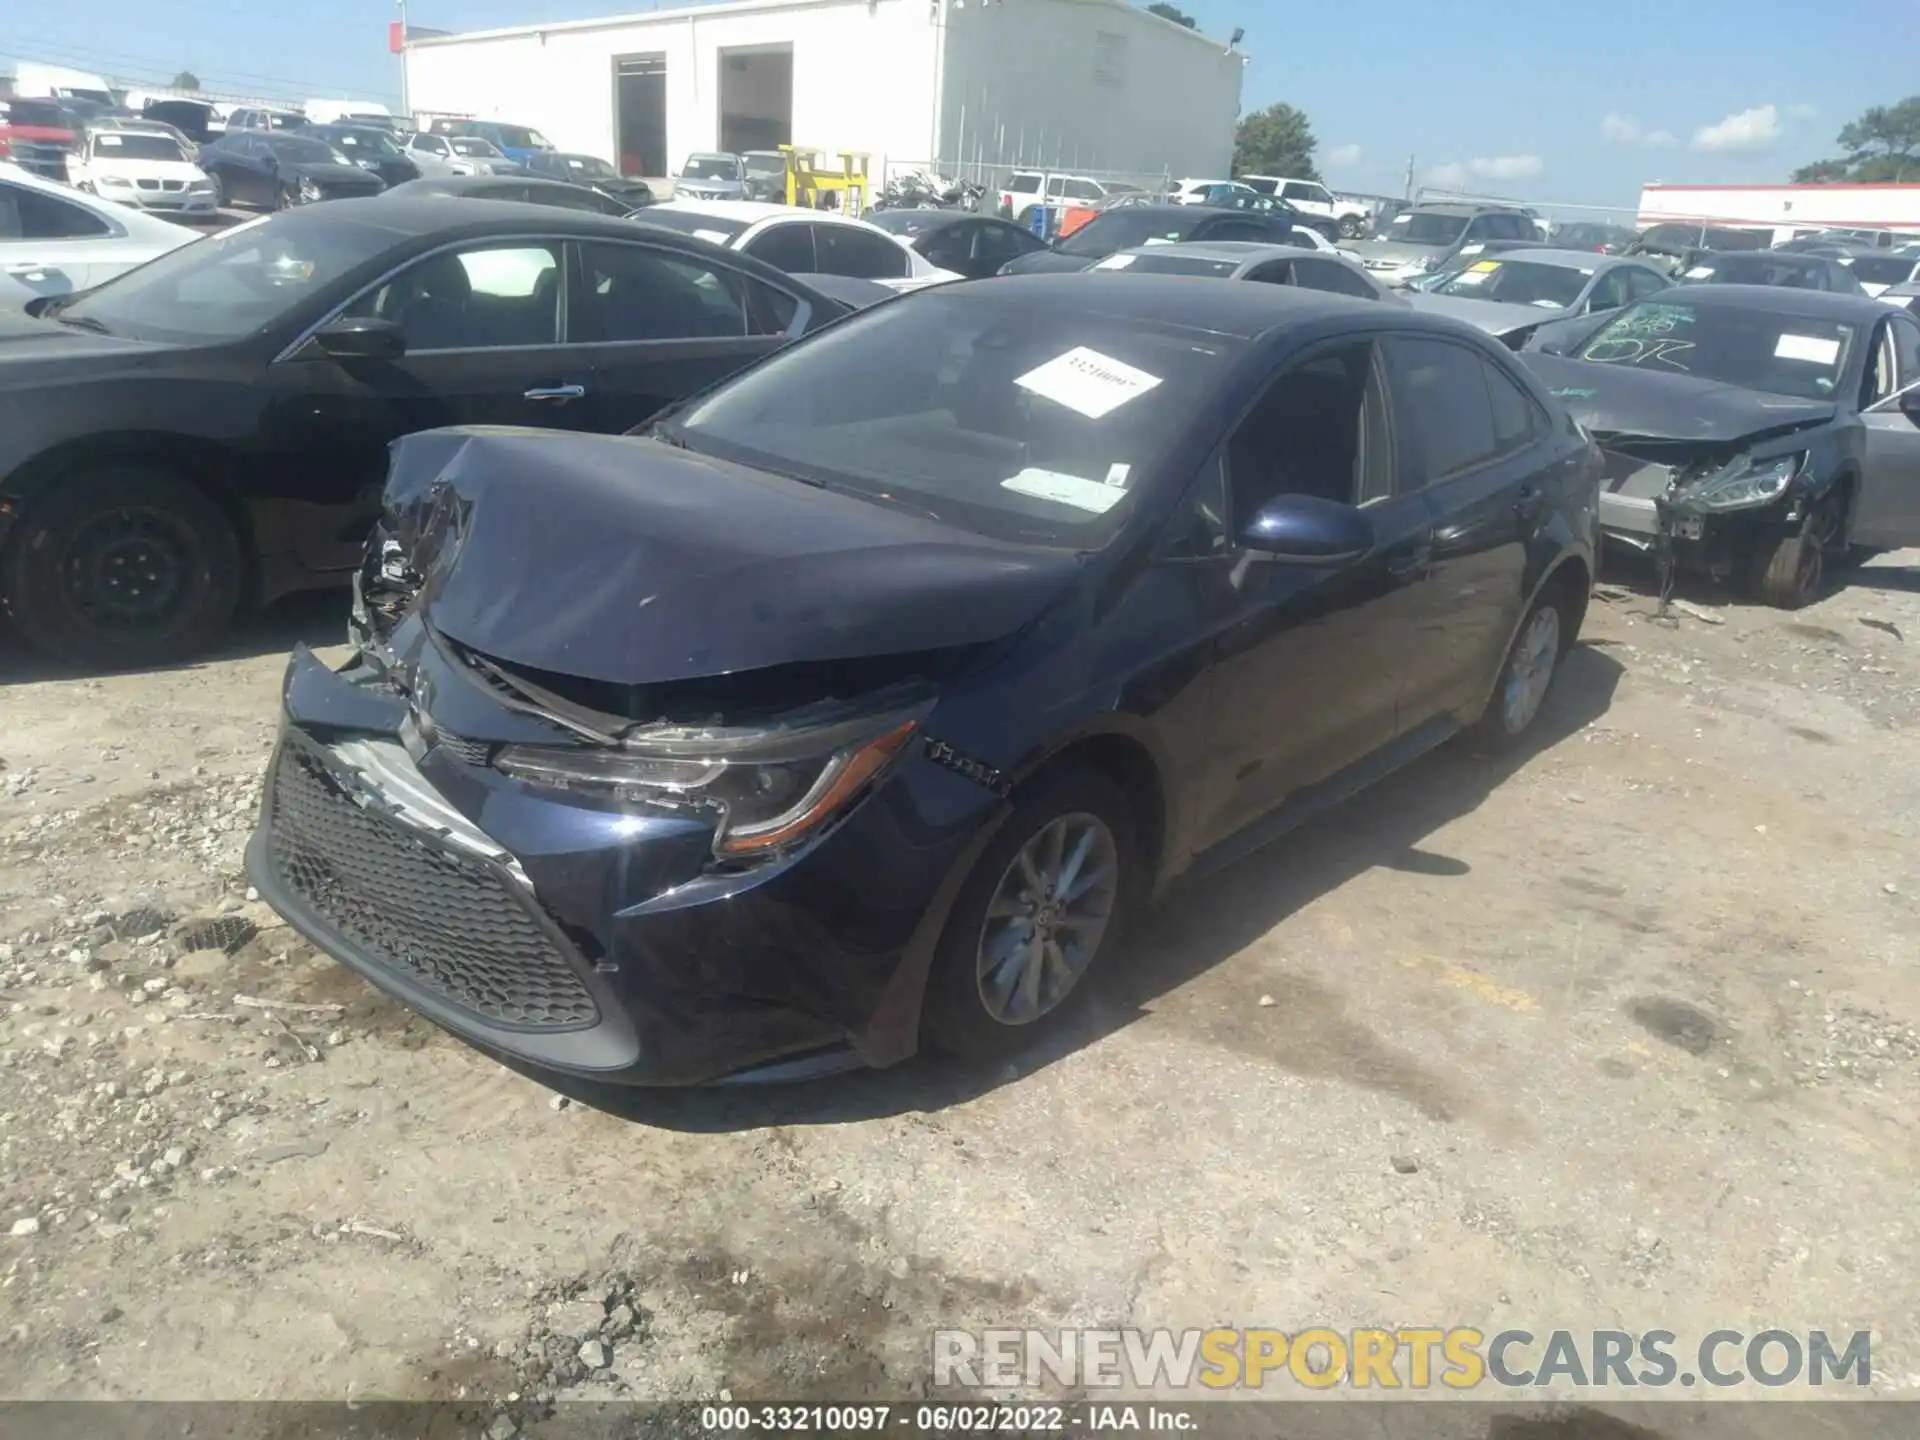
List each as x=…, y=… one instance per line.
x=81, y=322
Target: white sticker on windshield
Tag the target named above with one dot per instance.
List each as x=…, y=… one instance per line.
x=1811, y=348
x=1471, y=249
x=1699, y=272
x=1115, y=262
x=1088, y=382
x=1158, y=240
x=107, y=142
x=1071, y=490
x=713, y=237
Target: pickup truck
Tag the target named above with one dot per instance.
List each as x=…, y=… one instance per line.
x=1312, y=198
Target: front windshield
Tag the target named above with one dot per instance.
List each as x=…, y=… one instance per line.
x=1756, y=268
x=370, y=140
x=302, y=151
x=473, y=145
x=1753, y=349
x=711, y=167
x=230, y=285
x=117, y=145
x=1426, y=227
x=1020, y=422
x=1127, y=229
x=1148, y=263
x=692, y=222
x=1518, y=282
x=587, y=165
x=760, y=165
x=521, y=137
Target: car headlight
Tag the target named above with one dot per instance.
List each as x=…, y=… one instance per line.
x=1749, y=482
x=113, y=182
x=767, y=788
x=308, y=189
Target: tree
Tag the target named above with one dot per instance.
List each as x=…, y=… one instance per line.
x=1275, y=141
x=186, y=80
x=1171, y=12
x=1882, y=145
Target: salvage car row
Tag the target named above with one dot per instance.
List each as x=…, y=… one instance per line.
x=764, y=673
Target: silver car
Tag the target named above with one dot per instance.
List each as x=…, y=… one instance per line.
x=1511, y=294
x=1426, y=237
x=1307, y=267
x=458, y=155
x=710, y=175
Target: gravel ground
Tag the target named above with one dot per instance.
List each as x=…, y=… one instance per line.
x=1620, y=1033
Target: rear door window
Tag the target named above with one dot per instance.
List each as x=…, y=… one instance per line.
x=787, y=246
x=859, y=254
x=1440, y=391
x=635, y=292
x=30, y=215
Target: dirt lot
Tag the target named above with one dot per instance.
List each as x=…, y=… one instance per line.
x=1623, y=1033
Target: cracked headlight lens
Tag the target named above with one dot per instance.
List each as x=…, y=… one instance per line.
x=1749, y=483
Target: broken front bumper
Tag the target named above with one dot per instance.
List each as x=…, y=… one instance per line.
x=600, y=942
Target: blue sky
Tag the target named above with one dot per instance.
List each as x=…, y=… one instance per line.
x=1506, y=99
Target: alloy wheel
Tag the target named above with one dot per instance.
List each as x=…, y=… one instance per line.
x=1047, y=917
x=1530, y=671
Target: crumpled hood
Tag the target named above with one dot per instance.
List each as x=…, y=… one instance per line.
x=1620, y=400
x=634, y=562
x=1492, y=316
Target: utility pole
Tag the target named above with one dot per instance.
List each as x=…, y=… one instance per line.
x=405, y=108
x=1410, y=159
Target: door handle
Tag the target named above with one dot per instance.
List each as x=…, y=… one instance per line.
x=31, y=268
x=561, y=393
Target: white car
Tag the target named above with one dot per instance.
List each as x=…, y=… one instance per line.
x=56, y=241
x=1310, y=197
x=146, y=169
x=458, y=155
x=1193, y=189
x=801, y=242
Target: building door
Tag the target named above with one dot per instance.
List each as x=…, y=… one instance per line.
x=640, y=114
x=756, y=98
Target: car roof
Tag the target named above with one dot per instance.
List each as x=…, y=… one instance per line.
x=1196, y=303
x=1774, y=299
x=751, y=212
x=460, y=184
x=1570, y=259
x=405, y=210
x=1237, y=252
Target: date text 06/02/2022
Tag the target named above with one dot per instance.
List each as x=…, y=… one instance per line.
x=945, y=1419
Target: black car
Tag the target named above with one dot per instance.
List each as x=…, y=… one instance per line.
x=369, y=147
x=276, y=170
x=1590, y=235
x=1766, y=267
x=591, y=173
x=1135, y=225
x=1675, y=241
x=866, y=698
x=212, y=427
x=974, y=246
x=515, y=189
x=1760, y=433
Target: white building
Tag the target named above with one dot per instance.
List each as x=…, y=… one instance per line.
x=1787, y=210
x=1092, y=85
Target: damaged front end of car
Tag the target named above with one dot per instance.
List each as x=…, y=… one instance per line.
x=709, y=834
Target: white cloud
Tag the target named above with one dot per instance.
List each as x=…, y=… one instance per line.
x=1344, y=156
x=1802, y=111
x=1753, y=129
x=1455, y=174
x=1507, y=167
x=1621, y=129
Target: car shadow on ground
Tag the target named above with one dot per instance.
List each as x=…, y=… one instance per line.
x=1197, y=926
x=316, y=618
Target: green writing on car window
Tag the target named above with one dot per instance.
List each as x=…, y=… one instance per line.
x=1651, y=320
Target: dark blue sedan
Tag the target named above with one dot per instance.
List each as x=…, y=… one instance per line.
x=866, y=696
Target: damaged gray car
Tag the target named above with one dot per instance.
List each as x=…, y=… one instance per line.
x=1763, y=435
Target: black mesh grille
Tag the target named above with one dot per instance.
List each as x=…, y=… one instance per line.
x=446, y=922
x=474, y=752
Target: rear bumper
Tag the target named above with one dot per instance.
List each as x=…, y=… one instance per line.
x=594, y=942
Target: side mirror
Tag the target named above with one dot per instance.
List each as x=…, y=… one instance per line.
x=1309, y=530
x=273, y=161
x=363, y=337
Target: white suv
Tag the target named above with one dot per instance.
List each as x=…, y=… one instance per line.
x=1027, y=188
x=1313, y=198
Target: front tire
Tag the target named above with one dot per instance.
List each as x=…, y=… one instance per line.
x=1349, y=227
x=1038, y=916
x=122, y=565
x=1526, y=675
x=1787, y=571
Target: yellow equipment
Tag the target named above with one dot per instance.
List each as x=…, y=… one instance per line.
x=810, y=179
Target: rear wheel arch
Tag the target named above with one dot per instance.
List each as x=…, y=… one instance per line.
x=1574, y=578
